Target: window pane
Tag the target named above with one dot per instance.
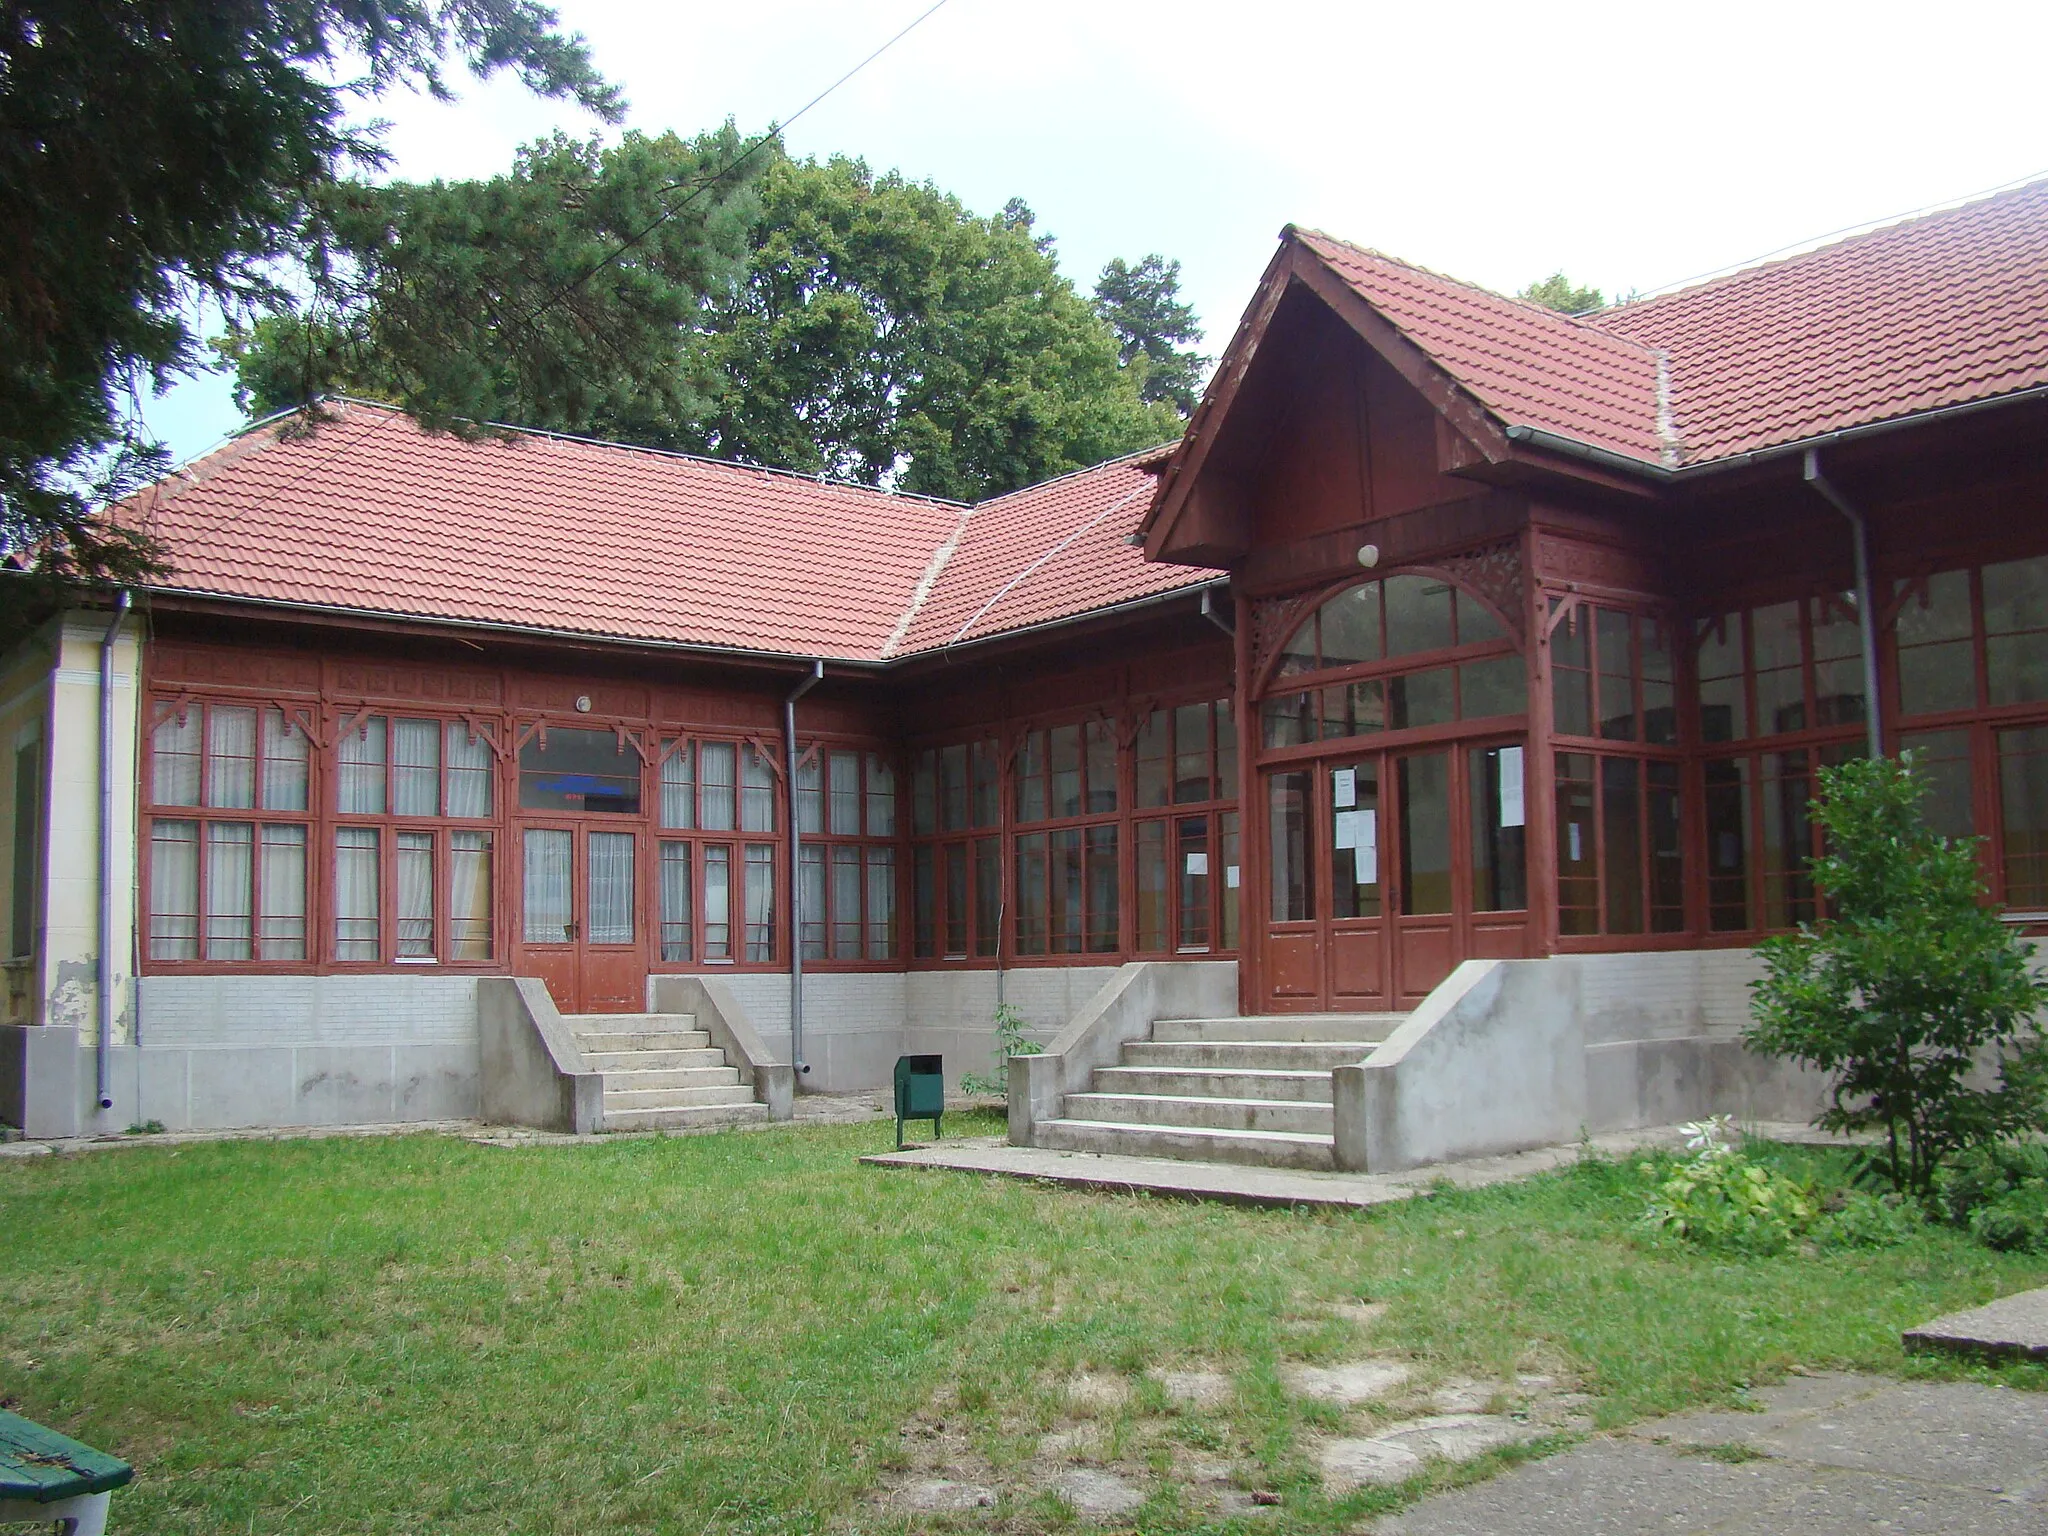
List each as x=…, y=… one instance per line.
x=1421, y=698
x=679, y=787
x=174, y=890
x=1425, y=810
x=810, y=795
x=811, y=889
x=2023, y=798
x=1837, y=662
x=1667, y=850
x=881, y=796
x=1031, y=894
x=611, y=887
x=1621, y=818
x=677, y=939
x=1288, y=720
x=1498, y=686
x=1151, y=913
x=1724, y=706
x=1499, y=858
x=924, y=903
x=230, y=757
x=1780, y=686
x=881, y=863
x=281, y=889
x=1613, y=635
x=1191, y=860
x=760, y=902
x=415, y=893
x=1942, y=760
x=985, y=766
x=416, y=768
x=988, y=895
x=1354, y=800
x=1193, y=761
x=1102, y=773
x=1788, y=840
x=2016, y=596
x=846, y=889
x=1104, y=889
x=1571, y=677
x=470, y=764
x=1578, y=869
x=842, y=772
x=174, y=758
x=757, y=791
x=1300, y=652
x=1228, y=852
x=953, y=790
x=1351, y=626
x=230, y=890
x=1727, y=810
x=1064, y=743
x=1288, y=814
x=924, y=794
x=1067, y=883
x=717, y=902
x=1152, y=757
x=954, y=872
x=1937, y=663
x=1418, y=614
x=469, y=895
x=1476, y=622
x=2016, y=667
x=1660, y=694
x=718, y=767
x=1226, y=751
x=356, y=888
x=359, y=762
x=546, y=888
x=285, y=755
x=563, y=769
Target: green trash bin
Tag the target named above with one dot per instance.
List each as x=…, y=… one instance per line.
x=920, y=1092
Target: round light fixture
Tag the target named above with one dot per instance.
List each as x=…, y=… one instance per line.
x=1368, y=555
x=582, y=703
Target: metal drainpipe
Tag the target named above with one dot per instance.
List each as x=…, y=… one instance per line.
x=1866, y=609
x=796, y=877
x=106, y=955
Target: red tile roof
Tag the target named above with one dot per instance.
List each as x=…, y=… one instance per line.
x=368, y=513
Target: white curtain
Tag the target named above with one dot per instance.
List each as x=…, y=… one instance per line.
x=881, y=797
x=174, y=890
x=715, y=760
x=760, y=892
x=678, y=788
x=469, y=772
x=548, y=852
x=757, y=792
x=469, y=895
x=174, y=768
x=284, y=763
x=846, y=884
x=355, y=893
x=229, y=889
x=281, y=916
x=881, y=903
x=359, y=786
x=611, y=887
x=718, y=902
x=416, y=767
x=810, y=808
x=811, y=890
x=845, y=786
x=231, y=757
x=675, y=901
x=415, y=894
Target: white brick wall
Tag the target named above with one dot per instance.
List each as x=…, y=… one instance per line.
x=308, y=1010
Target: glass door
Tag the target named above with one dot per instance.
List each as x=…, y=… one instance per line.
x=1425, y=942
x=1357, y=947
x=579, y=922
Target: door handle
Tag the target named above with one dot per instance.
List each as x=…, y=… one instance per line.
x=569, y=931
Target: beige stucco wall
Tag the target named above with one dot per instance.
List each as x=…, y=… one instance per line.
x=24, y=711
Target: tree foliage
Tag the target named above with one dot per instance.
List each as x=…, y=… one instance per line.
x=1558, y=292
x=1909, y=987
x=1156, y=333
x=158, y=154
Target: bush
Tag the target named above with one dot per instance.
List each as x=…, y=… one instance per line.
x=1909, y=984
x=1010, y=1041
x=1722, y=1199
x=1999, y=1195
x=1867, y=1221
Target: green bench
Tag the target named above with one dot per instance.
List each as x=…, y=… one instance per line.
x=48, y=1477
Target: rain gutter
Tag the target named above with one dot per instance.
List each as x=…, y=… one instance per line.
x=796, y=880
x=1866, y=610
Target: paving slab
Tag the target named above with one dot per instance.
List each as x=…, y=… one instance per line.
x=2011, y=1326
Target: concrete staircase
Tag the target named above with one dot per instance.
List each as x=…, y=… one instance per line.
x=661, y=1072
x=1246, y=1090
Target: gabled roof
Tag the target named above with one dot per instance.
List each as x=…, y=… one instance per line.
x=371, y=515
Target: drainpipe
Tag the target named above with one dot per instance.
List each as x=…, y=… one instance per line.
x=1866, y=608
x=106, y=956
x=796, y=877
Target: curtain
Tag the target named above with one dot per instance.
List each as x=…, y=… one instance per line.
x=611, y=887
x=678, y=788
x=174, y=890
x=231, y=758
x=760, y=893
x=715, y=763
x=229, y=889
x=174, y=767
x=881, y=797
x=281, y=884
x=881, y=903
x=469, y=894
x=718, y=902
x=359, y=785
x=844, y=774
x=812, y=890
x=285, y=753
x=675, y=901
x=415, y=893
x=548, y=851
x=757, y=793
x=416, y=767
x=846, y=888
x=469, y=772
x=810, y=810
x=356, y=893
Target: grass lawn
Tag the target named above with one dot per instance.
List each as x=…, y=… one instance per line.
x=750, y=1332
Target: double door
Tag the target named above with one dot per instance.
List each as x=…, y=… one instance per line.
x=1385, y=869
x=580, y=917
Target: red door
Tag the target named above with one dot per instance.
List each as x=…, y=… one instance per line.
x=580, y=916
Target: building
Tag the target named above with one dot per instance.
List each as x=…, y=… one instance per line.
x=1453, y=629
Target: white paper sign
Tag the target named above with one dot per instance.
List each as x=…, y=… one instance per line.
x=1344, y=834
x=1344, y=791
x=1511, y=787
x=1369, y=848
x=1575, y=854
x=1198, y=863
x=1230, y=876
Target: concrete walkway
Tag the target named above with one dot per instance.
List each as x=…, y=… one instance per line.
x=1826, y=1456
x=1242, y=1185
x=2012, y=1326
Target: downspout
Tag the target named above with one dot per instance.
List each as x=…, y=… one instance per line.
x=106, y=955
x=1866, y=609
x=796, y=877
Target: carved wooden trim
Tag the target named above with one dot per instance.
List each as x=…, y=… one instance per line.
x=1496, y=576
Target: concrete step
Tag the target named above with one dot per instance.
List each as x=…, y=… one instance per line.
x=1263, y=1149
x=630, y=1021
x=1200, y=1113
x=650, y=1061
x=1282, y=1026
x=1216, y=1083
x=1280, y=1055
x=643, y=1039
x=686, y=1118
x=673, y=1077
x=632, y=1096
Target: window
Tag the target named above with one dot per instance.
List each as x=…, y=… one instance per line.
x=578, y=770
x=1620, y=861
x=956, y=875
x=846, y=808
x=1185, y=757
x=1780, y=669
x=1760, y=836
x=715, y=894
x=1068, y=882
x=1611, y=677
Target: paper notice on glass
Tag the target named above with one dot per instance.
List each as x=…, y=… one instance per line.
x=1574, y=840
x=1369, y=848
x=1344, y=791
x=1511, y=787
x=1230, y=876
x=1198, y=863
x=1345, y=832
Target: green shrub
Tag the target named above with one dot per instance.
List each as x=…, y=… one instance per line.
x=1999, y=1195
x=1722, y=1199
x=1868, y=1221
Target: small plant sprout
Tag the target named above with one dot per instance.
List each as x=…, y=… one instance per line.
x=1010, y=1041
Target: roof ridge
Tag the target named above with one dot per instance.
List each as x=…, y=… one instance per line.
x=1086, y=469
x=927, y=583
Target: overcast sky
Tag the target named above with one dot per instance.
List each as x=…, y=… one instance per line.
x=1633, y=145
